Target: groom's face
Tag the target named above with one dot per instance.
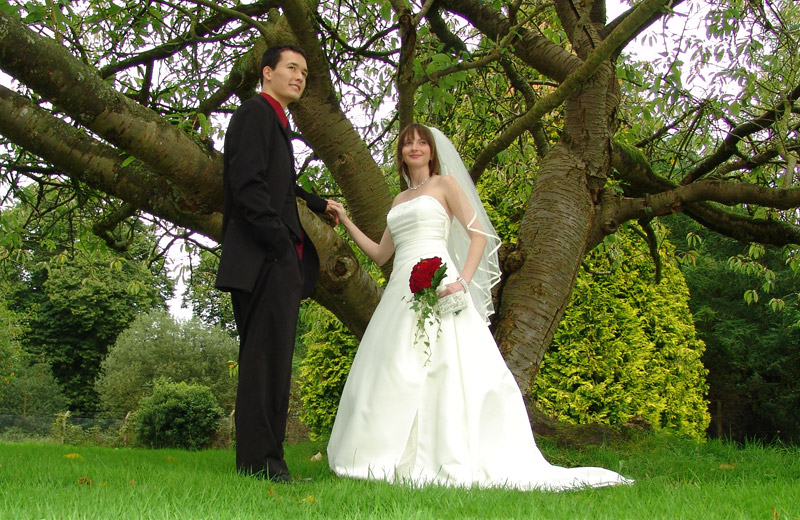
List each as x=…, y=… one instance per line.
x=287, y=80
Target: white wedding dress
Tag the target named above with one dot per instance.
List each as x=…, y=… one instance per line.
x=456, y=418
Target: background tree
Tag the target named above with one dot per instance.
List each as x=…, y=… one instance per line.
x=76, y=290
x=753, y=349
x=155, y=347
x=11, y=353
x=33, y=391
x=128, y=100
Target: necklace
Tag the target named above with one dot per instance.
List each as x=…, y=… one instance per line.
x=418, y=186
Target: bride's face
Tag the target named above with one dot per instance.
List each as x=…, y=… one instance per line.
x=416, y=151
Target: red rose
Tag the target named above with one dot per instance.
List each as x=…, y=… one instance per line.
x=424, y=281
x=423, y=272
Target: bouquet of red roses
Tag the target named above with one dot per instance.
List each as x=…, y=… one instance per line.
x=424, y=282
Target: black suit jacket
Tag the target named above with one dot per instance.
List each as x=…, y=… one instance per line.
x=260, y=221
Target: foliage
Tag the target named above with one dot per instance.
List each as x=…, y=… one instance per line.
x=33, y=390
x=330, y=349
x=80, y=309
x=680, y=103
x=627, y=346
x=177, y=415
x=76, y=290
x=155, y=346
x=10, y=349
x=752, y=348
x=212, y=306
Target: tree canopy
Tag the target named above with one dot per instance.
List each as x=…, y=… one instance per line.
x=127, y=101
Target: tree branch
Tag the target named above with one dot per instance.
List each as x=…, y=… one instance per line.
x=197, y=33
x=641, y=182
x=571, y=84
x=54, y=74
x=99, y=165
x=535, y=50
x=729, y=146
x=608, y=29
x=440, y=29
x=104, y=227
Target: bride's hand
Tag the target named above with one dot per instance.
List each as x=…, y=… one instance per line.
x=338, y=209
x=451, y=288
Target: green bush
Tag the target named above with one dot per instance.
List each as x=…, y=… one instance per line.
x=627, y=346
x=33, y=390
x=330, y=349
x=157, y=346
x=75, y=430
x=11, y=352
x=177, y=415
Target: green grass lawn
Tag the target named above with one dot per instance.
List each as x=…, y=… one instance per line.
x=676, y=479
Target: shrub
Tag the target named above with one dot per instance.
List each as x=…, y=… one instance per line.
x=177, y=415
x=627, y=347
x=323, y=371
x=157, y=346
x=33, y=390
x=86, y=431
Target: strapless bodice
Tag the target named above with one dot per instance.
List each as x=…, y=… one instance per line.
x=419, y=226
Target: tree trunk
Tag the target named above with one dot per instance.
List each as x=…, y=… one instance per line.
x=554, y=231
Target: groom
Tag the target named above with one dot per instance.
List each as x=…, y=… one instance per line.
x=268, y=264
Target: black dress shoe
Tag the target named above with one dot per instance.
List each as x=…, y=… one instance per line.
x=281, y=477
x=285, y=478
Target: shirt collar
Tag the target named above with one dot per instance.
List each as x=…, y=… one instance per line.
x=278, y=108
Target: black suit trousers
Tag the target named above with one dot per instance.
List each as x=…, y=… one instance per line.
x=266, y=319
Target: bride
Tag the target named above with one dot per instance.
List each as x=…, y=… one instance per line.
x=449, y=412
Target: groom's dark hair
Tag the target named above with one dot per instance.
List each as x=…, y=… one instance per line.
x=408, y=134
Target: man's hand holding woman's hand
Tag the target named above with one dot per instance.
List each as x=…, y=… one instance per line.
x=331, y=209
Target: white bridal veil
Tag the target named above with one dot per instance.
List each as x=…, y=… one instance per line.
x=488, y=272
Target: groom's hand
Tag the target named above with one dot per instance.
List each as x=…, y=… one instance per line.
x=331, y=210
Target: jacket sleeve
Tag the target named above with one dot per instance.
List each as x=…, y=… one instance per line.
x=314, y=203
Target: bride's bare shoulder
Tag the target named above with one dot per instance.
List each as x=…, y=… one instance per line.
x=400, y=198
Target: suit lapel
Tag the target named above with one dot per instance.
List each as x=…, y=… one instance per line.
x=287, y=135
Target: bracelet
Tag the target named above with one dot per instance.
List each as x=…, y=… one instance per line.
x=463, y=283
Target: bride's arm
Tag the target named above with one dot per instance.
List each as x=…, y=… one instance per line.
x=459, y=205
x=381, y=252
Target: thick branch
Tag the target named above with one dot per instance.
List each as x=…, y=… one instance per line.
x=440, y=29
x=641, y=182
x=327, y=130
x=549, y=59
x=723, y=192
x=342, y=279
x=570, y=85
x=653, y=18
x=54, y=74
x=98, y=165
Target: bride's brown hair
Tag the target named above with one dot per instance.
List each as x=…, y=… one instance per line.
x=425, y=134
